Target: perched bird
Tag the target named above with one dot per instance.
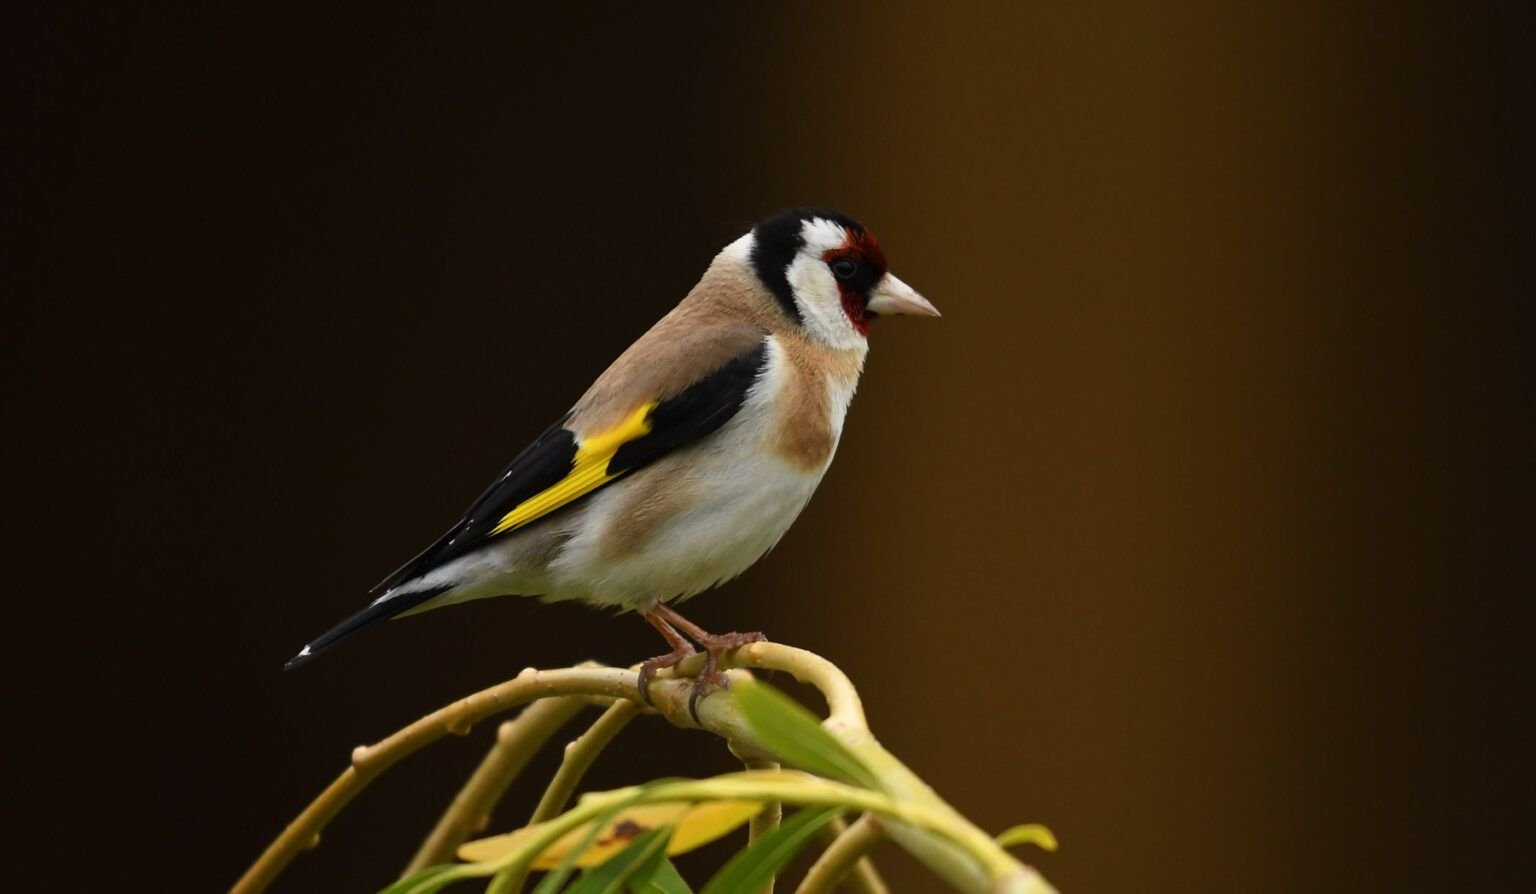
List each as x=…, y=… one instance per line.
x=689, y=457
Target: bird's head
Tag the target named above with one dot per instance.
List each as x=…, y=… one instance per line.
x=828, y=273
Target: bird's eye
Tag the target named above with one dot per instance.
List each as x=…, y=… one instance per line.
x=844, y=269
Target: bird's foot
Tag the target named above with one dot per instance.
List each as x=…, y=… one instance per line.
x=668, y=622
x=711, y=677
x=649, y=667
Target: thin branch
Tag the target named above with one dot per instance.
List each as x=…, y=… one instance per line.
x=517, y=741
x=866, y=878
x=845, y=854
x=579, y=755
x=767, y=819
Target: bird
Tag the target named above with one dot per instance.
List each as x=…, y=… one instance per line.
x=688, y=458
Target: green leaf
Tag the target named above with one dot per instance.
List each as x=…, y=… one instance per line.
x=797, y=737
x=764, y=858
x=610, y=877
x=427, y=881
x=554, y=880
x=659, y=876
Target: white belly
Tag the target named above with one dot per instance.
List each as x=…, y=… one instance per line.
x=749, y=510
x=744, y=496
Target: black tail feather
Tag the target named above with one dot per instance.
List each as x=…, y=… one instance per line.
x=373, y=614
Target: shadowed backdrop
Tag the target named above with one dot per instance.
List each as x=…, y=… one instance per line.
x=1181, y=531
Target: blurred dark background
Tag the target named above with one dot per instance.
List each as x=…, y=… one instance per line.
x=1193, y=529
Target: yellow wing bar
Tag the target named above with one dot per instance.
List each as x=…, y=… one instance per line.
x=589, y=471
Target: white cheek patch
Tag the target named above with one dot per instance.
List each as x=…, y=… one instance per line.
x=820, y=303
x=816, y=290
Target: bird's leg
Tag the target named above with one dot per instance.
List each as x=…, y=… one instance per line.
x=681, y=649
x=713, y=644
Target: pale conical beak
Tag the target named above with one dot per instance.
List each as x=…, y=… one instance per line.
x=892, y=296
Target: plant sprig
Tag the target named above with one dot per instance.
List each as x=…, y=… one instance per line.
x=842, y=768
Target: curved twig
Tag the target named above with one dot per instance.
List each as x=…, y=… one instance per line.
x=845, y=853
x=579, y=755
x=457, y=718
x=517, y=741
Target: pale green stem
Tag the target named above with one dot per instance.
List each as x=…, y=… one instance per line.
x=766, y=819
x=843, y=856
x=517, y=741
x=579, y=755
x=866, y=879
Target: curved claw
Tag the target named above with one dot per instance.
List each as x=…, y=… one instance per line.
x=647, y=673
x=712, y=677
x=649, y=668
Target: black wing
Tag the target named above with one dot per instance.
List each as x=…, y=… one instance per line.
x=695, y=412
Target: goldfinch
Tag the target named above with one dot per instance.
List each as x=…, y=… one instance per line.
x=689, y=457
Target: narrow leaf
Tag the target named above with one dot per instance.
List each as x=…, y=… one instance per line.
x=427, y=881
x=707, y=821
x=659, y=877
x=1029, y=833
x=764, y=858
x=610, y=877
x=694, y=825
x=796, y=736
x=554, y=880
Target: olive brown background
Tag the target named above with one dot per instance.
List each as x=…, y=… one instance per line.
x=1189, y=530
